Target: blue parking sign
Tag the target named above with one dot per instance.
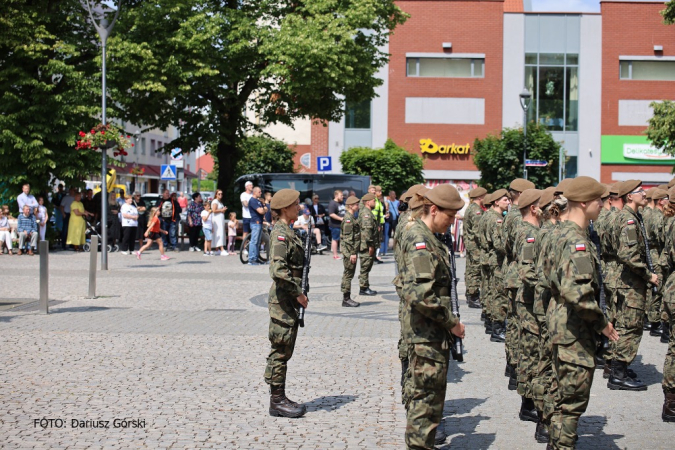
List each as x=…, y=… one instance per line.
x=324, y=163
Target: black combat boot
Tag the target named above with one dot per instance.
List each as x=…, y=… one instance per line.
x=528, y=413
x=619, y=379
x=473, y=301
x=541, y=434
x=607, y=369
x=668, y=414
x=488, y=326
x=665, y=334
x=280, y=406
x=367, y=291
x=347, y=301
x=498, y=332
x=599, y=361
x=483, y=316
x=441, y=435
x=513, y=380
x=507, y=370
x=404, y=368
x=655, y=329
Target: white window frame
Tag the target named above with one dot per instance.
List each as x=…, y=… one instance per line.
x=472, y=56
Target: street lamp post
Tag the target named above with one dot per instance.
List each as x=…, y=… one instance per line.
x=103, y=28
x=525, y=99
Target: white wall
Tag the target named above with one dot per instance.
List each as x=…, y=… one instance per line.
x=590, y=96
x=435, y=110
x=513, y=69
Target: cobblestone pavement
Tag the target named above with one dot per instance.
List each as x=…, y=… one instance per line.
x=181, y=346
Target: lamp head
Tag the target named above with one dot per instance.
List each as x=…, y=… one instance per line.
x=525, y=99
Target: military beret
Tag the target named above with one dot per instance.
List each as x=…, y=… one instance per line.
x=663, y=187
x=628, y=186
x=671, y=183
x=546, y=196
x=499, y=193
x=607, y=190
x=417, y=199
x=560, y=188
x=368, y=197
x=614, y=189
x=671, y=194
x=659, y=194
x=583, y=189
x=352, y=200
x=445, y=196
x=649, y=192
x=475, y=193
x=521, y=185
x=529, y=197
x=284, y=198
x=410, y=192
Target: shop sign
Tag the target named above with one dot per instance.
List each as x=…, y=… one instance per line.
x=645, y=152
x=429, y=146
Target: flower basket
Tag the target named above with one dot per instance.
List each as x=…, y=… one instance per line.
x=104, y=137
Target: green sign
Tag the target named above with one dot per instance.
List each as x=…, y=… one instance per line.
x=633, y=150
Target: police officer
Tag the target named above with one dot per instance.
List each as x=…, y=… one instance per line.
x=350, y=235
x=575, y=319
x=369, y=240
x=426, y=287
x=472, y=215
x=285, y=298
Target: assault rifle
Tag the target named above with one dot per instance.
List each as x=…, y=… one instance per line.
x=457, y=348
x=650, y=263
x=305, y=271
x=602, y=301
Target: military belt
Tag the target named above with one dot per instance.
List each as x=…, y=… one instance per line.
x=296, y=273
x=443, y=292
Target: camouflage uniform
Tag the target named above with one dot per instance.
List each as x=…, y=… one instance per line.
x=426, y=289
x=668, y=382
x=575, y=320
x=485, y=294
x=398, y=284
x=510, y=229
x=492, y=260
x=632, y=284
x=527, y=246
x=472, y=216
x=654, y=221
x=605, y=226
x=369, y=238
x=350, y=237
x=287, y=258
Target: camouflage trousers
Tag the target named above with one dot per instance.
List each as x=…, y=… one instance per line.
x=511, y=346
x=282, y=337
x=485, y=300
x=571, y=399
x=426, y=382
x=528, y=349
x=668, y=383
x=347, y=274
x=405, y=332
x=630, y=317
x=544, y=385
x=498, y=295
x=366, y=266
x=472, y=275
x=654, y=301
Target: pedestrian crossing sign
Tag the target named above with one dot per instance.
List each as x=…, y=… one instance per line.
x=168, y=172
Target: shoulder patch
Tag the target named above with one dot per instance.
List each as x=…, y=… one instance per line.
x=500, y=221
x=478, y=213
x=421, y=245
x=530, y=240
x=348, y=221
x=580, y=247
x=281, y=238
x=631, y=222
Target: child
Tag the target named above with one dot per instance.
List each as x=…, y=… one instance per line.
x=153, y=235
x=232, y=232
x=207, y=227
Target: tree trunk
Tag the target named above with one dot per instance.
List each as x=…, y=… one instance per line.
x=228, y=156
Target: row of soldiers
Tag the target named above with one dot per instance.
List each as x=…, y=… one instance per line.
x=553, y=270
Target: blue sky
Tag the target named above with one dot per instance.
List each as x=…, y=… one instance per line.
x=566, y=5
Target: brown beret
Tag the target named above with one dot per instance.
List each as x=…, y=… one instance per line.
x=521, y=185
x=671, y=194
x=284, y=198
x=352, y=200
x=671, y=183
x=417, y=200
x=368, y=197
x=663, y=187
x=475, y=193
x=614, y=189
x=547, y=196
x=499, y=193
x=607, y=192
x=560, y=188
x=649, y=192
x=410, y=192
x=628, y=186
x=658, y=194
x=445, y=196
x=529, y=197
x=583, y=189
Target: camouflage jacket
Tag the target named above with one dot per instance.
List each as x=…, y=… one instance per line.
x=668, y=231
x=631, y=252
x=545, y=257
x=527, y=247
x=604, y=226
x=472, y=217
x=350, y=235
x=510, y=230
x=403, y=220
x=654, y=222
x=287, y=258
x=575, y=319
x=426, y=285
x=490, y=236
x=369, y=229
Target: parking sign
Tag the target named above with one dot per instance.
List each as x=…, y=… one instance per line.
x=324, y=163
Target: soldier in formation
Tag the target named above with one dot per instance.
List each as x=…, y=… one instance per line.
x=368, y=226
x=472, y=276
x=350, y=235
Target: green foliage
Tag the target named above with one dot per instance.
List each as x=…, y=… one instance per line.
x=500, y=158
x=669, y=13
x=261, y=154
x=49, y=90
x=661, y=129
x=220, y=68
x=391, y=167
x=205, y=185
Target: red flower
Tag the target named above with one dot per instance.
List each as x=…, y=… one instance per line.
x=128, y=137
x=102, y=132
x=132, y=145
x=93, y=131
x=82, y=134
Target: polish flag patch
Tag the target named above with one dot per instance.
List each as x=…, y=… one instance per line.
x=281, y=238
x=581, y=247
x=478, y=213
x=530, y=240
x=499, y=221
x=421, y=245
x=348, y=221
x=631, y=222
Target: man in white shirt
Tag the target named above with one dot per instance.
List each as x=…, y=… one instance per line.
x=245, y=213
x=26, y=199
x=65, y=213
x=302, y=224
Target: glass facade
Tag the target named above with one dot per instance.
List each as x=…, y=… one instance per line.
x=445, y=67
x=357, y=115
x=647, y=70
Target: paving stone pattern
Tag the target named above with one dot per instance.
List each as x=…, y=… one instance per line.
x=181, y=346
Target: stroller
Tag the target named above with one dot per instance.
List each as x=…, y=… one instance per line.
x=94, y=230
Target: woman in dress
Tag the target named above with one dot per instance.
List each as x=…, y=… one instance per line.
x=42, y=217
x=142, y=217
x=76, y=226
x=219, y=229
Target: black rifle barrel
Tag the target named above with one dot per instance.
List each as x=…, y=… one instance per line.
x=305, y=272
x=457, y=349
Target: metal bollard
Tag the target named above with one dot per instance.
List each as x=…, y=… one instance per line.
x=93, y=253
x=44, y=277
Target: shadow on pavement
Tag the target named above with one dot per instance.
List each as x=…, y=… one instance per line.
x=648, y=373
x=455, y=372
x=192, y=262
x=591, y=434
x=370, y=303
x=465, y=426
x=82, y=309
x=461, y=406
x=330, y=402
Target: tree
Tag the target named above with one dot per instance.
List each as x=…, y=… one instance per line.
x=391, y=167
x=669, y=13
x=219, y=68
x=49, y=90
x=661, y=129
x=500, y=158
x=261, y=154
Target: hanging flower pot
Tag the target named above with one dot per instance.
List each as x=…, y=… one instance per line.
x=104, y=137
